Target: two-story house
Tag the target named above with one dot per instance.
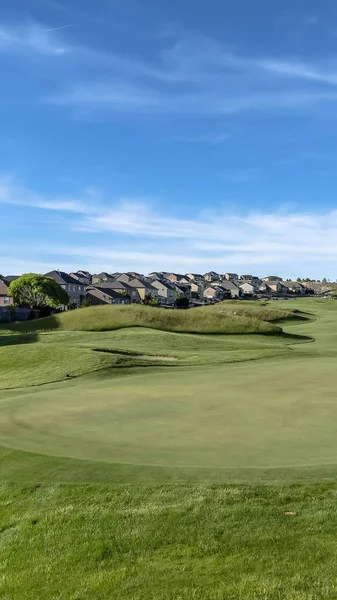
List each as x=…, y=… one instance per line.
x=100, y=296
x=5, y=299
x=74, y=288
x=167, y=293
x=120, y=286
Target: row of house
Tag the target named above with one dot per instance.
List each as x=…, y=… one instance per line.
x=133, y=287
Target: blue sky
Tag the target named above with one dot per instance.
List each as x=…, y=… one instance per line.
x=175, y=135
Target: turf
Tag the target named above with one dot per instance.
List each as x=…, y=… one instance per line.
x=203, y=320
x=141, y=481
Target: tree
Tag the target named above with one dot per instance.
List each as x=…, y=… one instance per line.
x=324, y=280
x=150, y=301
x=37, y=291
x=298, y=279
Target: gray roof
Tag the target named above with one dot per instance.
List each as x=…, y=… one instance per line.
x=10, y=278
x=114, y=285
x=106, y=292
x=62, y=278
x=228, y=285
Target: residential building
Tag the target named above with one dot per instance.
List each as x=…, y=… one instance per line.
x=99, y=296
x=74, y=288
x=5, y=299
x=249, y=288
x=232, y=288
x=231, y=276
x=271, y=278
x=167, y=294
x=100, y=277
x=120, y=286
x=144, y=288
x=82, y=276
x=194, y=276
x=182, y=290
x=215, y=293
x=197, y=289
x=211, y=276
x=246, y=277
x=175, y=277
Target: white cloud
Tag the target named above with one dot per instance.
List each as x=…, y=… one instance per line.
x=13, y=193
x=30, y=37
x=189, y=74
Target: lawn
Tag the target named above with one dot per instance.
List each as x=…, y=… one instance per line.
x=208, y=475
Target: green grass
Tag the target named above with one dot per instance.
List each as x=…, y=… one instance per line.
x=168, y=543
x=203, y=320
x=146, y=479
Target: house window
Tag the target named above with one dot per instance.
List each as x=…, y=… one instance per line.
x=7, y=300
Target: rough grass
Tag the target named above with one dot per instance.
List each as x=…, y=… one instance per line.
x=202, y=320
x=177, y=542
x=253, y=309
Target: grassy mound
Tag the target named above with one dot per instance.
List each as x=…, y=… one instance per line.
x=202, y=320
x=258, y=310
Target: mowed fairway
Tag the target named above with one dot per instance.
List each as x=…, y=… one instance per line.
x=253, y=414
x=280, y=411
x=143, y=478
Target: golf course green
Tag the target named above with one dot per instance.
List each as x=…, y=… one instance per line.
x=134, y=454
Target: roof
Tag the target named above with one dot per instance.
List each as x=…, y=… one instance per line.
x=229, y=285
x=106, y=292
x=140, y=283
x=114, y=285
x=161, y=282
x=62, y=278
x=10, y=278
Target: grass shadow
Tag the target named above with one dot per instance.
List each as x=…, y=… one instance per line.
x=16, y=340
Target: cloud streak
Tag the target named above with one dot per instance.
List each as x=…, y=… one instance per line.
x=221, y=240
x=188, y=74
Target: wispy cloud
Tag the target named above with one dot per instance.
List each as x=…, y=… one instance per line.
x=13, y=193
x=188, y=74
x=30, y=37
x=149, y=239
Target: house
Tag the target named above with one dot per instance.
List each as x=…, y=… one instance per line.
x=216, y=293
x=157, y=275
x=211, y=276
x=144, y=288
x=246, y=277
x=231, y=276
x=249, y=288
x=82, y=276
x=74, y=288
x=182, y=290
x=264, y=288
x=197, y=289
x=232, y=288
x=167, y=293
x=175, y=277
x=99, y=296
x=277, y=286
x=5, y=299
x=194, y=276
x=119, y=286
x=271, y=278
x=97, y=279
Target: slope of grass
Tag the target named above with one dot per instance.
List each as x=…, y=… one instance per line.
x=79, y=529
x=107, y=318
x=259, y=310
x=168, y=543
x=34, y=364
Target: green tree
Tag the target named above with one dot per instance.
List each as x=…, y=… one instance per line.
x=37, y=291
x=298, y=279
x=150, y=301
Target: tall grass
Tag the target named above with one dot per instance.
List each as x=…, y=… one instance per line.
x=264, y=312
x=107, y=318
